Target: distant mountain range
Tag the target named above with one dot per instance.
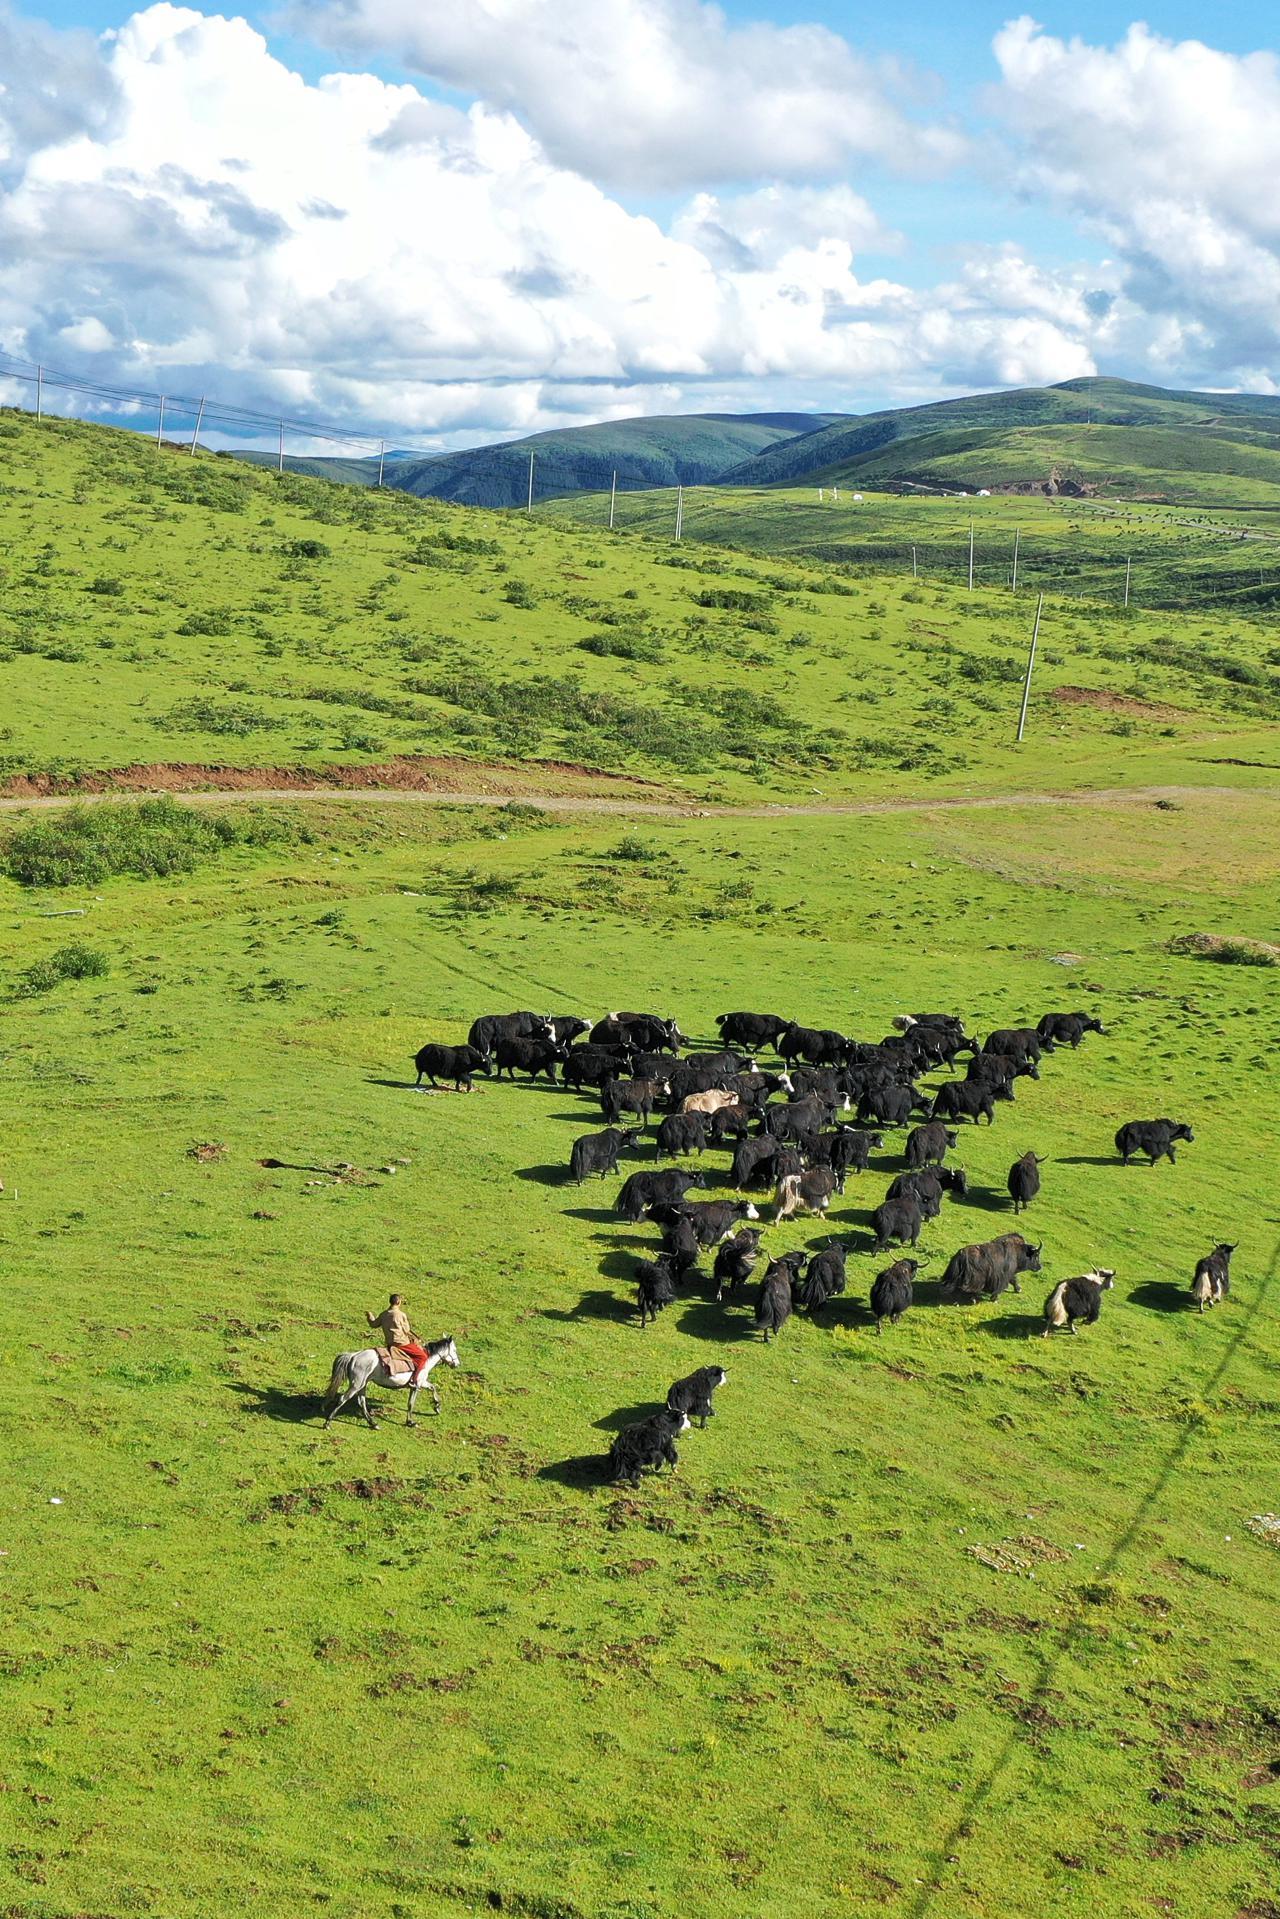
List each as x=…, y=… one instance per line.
x=1080, y=437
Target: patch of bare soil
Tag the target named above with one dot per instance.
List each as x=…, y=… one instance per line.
x=417, y=773
x=1098, y=696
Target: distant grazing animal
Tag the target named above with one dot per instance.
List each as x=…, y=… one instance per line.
x=804, y=1192
x=681, y=1133
x=850, y=1151
x=656, y=1281
x=1019, y=1042
x=826, y=1083
x=727, y=1063
x=997, y=1069
x=984, y=1271
x=1068, y=1029
x=531, y=1056
x=795, y=1118
x=1154, y=1137
x=753, y=1161
x=353, y=1373
x=893, y=1289
x=969, y=1099
x=730, y=1122
x=927, y=1145
x=773, y=1303
x=899, y=1219
x=709, y=1102
x=1212, y=1281
x=597, y=1153
x=929, y=1183
x=735, y=1261
x=649, y=1443
x=818, y=1045
x=751, y=1029
x=458, y=1063
x=645, y=1189
x=642, y=1031
x=714, y=1219
x=1024, y=1180
x=1073, y=1299
x=491, y=1027
x=567, y=1027
x=692, y=1396
x=640, y=1096
x=592, y=1065
x=890, y=1105
x=681, y=1245
x=824, y=1277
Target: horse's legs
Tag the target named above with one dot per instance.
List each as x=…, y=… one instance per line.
x=338, y=1405
x=363, y=1404
x=413, y=1395
x=431, y=1388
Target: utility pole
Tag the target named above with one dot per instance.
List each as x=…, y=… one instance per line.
x=160, y=425
x=382, y=458
x=280, y=455
x=196, y=435
x=1017, y=534
x=1128, y=566
x=914, y=572
x=613, y=497
x=39, y=393
x=679, y=511
x=971, y=556
x=1031, y=660
x=529, y=507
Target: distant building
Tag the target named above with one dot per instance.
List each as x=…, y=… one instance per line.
x=984, y=492
x=857, y=499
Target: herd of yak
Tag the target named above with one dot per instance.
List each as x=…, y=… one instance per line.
x=789, y=1129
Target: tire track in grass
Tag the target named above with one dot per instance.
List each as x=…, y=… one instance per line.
x=938, y=1887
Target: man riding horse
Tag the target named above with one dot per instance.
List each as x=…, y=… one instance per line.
x=394, y=1326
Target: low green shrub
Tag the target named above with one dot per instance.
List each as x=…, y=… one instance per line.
x=142, y=839
x=74, y=961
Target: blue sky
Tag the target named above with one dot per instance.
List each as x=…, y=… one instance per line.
x=518, y=213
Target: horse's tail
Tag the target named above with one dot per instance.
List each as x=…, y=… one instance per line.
x=339, y=1377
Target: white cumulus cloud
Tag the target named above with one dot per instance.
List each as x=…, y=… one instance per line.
x=664, y=93
x=1168, y=149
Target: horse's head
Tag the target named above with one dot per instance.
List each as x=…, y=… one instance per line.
x=449, y=1352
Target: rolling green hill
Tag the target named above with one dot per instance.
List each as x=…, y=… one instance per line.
x=1086, y=437
x=656, y=451
x=161, y=608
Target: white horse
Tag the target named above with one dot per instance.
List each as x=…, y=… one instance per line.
x=353, y=1372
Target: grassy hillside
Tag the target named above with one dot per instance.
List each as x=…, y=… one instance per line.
x=163, y=608
x=948, y=1622
x=1207, y=560
x=883, y=444
x=652, y=451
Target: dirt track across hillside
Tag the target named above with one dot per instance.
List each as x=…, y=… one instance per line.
x=607, y=804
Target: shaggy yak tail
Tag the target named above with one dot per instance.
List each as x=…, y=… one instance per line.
x=339, y=1377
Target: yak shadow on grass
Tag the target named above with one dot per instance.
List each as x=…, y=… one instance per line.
x=1161, y=1296
x=594, y=1305
x=598, y=1215
x=1012, y=1326
x=627, y=1416
x=988, y=1199
x=1089, y=1159
x=583, y=1471
x=291, y=1407
x=707, y=1319
x=545, y=1175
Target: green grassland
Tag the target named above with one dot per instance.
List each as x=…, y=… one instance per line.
x=949, y=1622
x=163, y=608
x=1224, y=562
x=952, y=1622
